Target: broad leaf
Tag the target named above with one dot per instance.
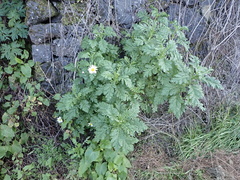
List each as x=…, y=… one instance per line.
x=91, y=155
x=83, y=167
x=26, y=70
x=6, y=131
x=3, y=151
x=101, y=168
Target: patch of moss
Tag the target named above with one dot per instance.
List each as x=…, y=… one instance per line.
x=73, y=14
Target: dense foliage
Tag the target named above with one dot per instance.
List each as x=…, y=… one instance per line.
x=19, y=94
x=114, y=84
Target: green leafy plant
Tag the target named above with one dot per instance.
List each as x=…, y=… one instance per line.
x=20, y=95
x=49, y=161
x=100, y=114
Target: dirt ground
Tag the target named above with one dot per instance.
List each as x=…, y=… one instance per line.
x=219, y=165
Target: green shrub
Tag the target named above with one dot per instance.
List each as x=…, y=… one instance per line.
x=114, y=83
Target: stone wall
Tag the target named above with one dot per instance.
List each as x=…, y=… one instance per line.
x=56, y=27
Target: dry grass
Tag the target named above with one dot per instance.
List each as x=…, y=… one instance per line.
x=218, y=165
x=150, y=160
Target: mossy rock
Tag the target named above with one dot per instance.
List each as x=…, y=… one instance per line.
x=39, y=11
x=73, y=13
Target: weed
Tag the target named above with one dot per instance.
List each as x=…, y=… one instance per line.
x=100, y=114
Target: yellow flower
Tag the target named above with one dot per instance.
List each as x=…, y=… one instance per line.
x=59, y=120
x=90, y=124
x=92, y=69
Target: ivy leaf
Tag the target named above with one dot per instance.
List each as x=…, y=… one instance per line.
x=7, y=177
x=83, y=167
x=31, y=63
x=3, y=151
x=57, y=96
x=101, y=168
x=6, y=131
x=25, y=55
x=16, y=147
x=8, y=70
x=122, y=160
x=26, y=70
x=91, y=155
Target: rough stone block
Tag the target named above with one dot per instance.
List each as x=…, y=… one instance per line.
x=38, y=11
x=42, y=33
x=66, y=47
x=42, y=53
